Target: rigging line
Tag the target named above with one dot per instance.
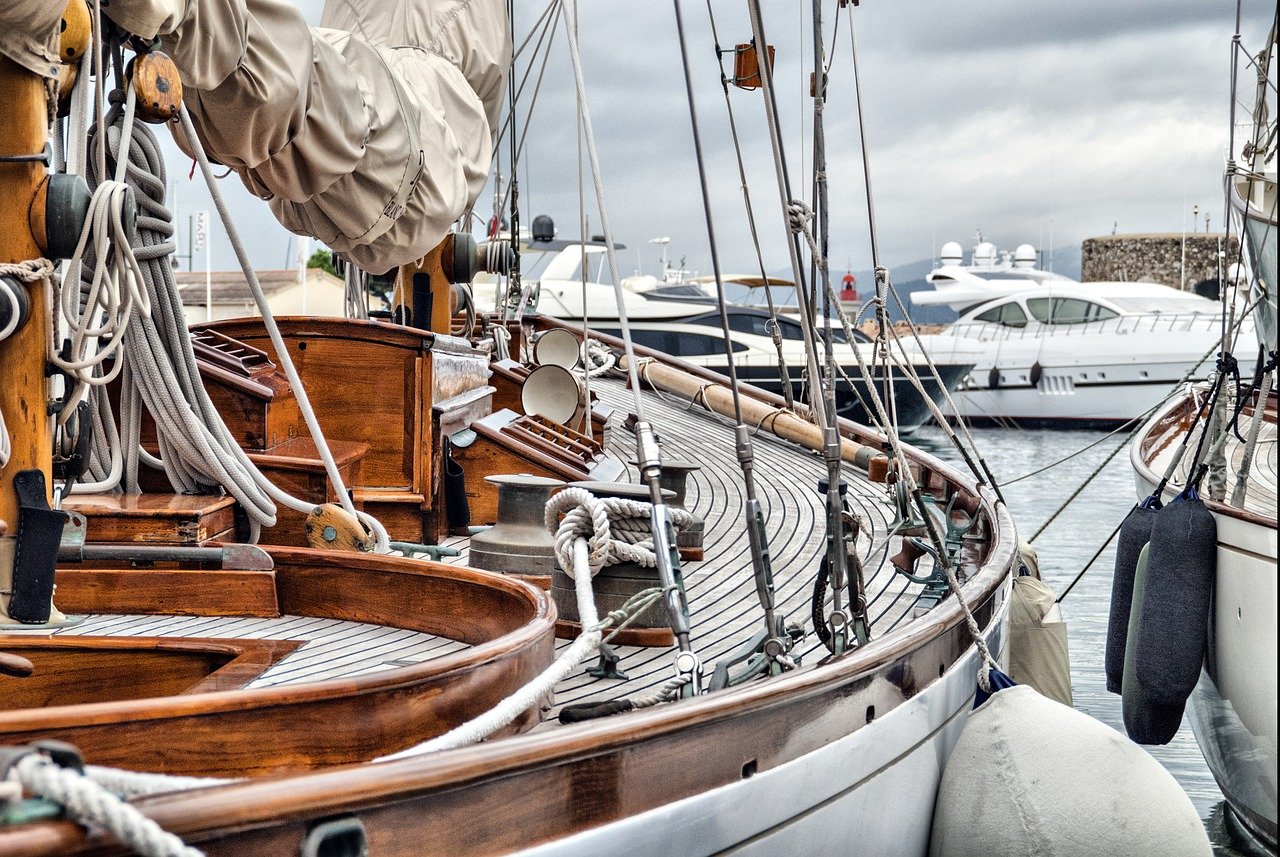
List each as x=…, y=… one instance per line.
x=277, y=341
x=514, y=280
x=528, y=117
x=1090, y=563
x=582, y=264
x=784, y=374
x=774, y=125
x=648, y=453
x=830, y=433
x=752, y=512
x=1124, y=442
x=548, y=27
x=990, y=477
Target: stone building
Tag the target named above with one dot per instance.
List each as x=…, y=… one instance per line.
x=1158, y=257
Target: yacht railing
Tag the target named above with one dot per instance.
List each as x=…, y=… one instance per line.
x=987, y=331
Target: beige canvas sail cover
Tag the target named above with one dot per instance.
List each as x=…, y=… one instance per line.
x=30, y=34
x=372, y=133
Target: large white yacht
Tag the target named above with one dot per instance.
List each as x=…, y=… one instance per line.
x=1060, y=352
x=681, y=319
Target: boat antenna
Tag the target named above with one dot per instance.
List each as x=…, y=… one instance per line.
x=648, y=456
x=774, y=643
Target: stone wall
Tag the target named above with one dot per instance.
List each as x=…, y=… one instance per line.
x=1154, y=257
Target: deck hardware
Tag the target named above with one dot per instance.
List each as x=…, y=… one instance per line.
x=66, y=208
x=336, y=837
x=39, y=531
x=232, y=557
x=607, y=666
x=15, y=306
x=18, y=810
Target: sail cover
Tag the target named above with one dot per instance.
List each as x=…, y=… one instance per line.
x=30, y=39
x=372, y=133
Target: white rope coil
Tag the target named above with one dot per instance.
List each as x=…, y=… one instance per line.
x=597, y=358
x=90, y=804
x=617, y=530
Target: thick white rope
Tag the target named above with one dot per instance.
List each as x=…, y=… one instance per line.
x=90, y=804
x=597, y=358
x=382, y=541
x=617, y=530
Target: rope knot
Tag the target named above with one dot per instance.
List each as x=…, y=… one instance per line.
x=798, y=215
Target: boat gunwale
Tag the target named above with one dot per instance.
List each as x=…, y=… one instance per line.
x=521, y=640
x=1160, y=429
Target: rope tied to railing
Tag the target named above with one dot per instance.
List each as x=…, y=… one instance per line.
x=88, y=803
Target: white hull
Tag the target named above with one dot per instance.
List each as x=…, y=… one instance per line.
x=1233, y=708
x=869, y=793
x=1080, y=393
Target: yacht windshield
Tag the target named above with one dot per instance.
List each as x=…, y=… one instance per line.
x=1009, y=314
x=1068, y=310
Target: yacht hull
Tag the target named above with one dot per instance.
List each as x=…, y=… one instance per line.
x=829, y=801
x=1092, y=396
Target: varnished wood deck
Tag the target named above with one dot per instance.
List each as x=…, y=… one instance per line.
x=721, y=589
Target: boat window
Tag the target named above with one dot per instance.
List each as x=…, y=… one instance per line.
x=1009, y=314
x=677, y=343
x=1068, y=310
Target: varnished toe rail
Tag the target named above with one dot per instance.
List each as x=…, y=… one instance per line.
x=154, y=709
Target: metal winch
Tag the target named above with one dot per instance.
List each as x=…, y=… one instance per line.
x=519, y=543
x=675, y=478
x=616, y=584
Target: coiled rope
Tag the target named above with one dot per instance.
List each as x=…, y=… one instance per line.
x=90, y=804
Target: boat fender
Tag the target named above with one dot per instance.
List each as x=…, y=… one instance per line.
x=1032, y=776
x=1135, y=532
x=593, y=710
x=993, y=378
x=1037, y=372
x=1146, y=722
x=1173, y=625
x=1038, y=640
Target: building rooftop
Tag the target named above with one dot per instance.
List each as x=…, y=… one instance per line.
x=230, y=287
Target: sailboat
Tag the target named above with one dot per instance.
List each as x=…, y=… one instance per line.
x=1221, y=436
x=279, y=624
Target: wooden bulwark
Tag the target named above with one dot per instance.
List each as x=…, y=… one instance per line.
x=256, y=731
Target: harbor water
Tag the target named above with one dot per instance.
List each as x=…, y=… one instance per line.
x=1064, y=548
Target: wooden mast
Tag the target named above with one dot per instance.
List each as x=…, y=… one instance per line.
x=23, y=390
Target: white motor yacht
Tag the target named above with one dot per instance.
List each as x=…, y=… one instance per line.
x=1057, y=352
x=681, y=320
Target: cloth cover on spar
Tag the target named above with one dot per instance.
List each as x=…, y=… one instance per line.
x=30, y=39
x=326, y=122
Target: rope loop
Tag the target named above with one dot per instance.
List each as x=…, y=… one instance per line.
x=88, y=803
x=616, y=530
x=28, y=270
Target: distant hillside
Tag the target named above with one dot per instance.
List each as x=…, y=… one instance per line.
x=909, y=277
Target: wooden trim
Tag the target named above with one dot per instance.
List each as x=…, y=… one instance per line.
x=503, y=795
x=262, y=730
x=1165, y=429
x=205, y=592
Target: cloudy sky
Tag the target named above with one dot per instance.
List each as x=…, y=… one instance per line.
x=1034, y=122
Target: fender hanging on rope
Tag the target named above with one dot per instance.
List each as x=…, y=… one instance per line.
x=1135, y=532
x=1171, y=619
